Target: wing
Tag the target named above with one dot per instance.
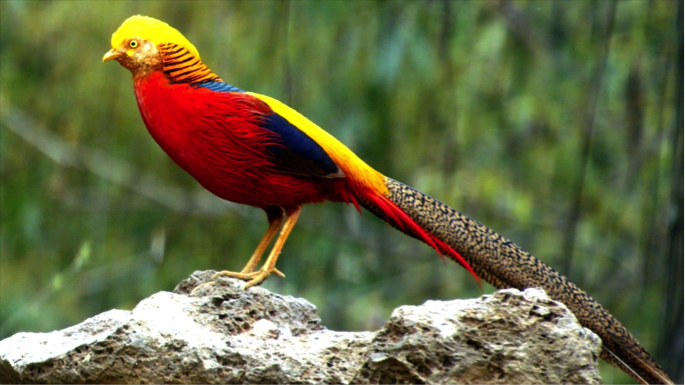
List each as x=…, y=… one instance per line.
x=299, y=154
x=295, y=152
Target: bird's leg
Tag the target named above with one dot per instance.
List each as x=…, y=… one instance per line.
x=275, y=217
x=256, y=277
x=270, y=264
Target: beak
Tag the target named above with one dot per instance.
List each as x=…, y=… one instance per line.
x=111, y=55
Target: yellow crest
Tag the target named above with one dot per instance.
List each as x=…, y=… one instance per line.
x=150, y=29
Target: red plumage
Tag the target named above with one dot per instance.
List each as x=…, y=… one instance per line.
x=216, y=137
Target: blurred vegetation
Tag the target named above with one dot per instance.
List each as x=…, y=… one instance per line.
x=558, y=124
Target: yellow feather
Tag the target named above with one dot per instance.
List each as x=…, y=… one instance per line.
x=150, y=29
x=353, y=167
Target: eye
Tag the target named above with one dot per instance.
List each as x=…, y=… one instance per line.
x=133, y=44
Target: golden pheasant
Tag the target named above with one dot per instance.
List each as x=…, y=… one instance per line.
x=252, y=149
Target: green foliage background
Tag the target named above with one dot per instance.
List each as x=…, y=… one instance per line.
x=559, y=124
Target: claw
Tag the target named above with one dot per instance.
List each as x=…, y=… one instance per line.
x=233, y=274
x=210, y=283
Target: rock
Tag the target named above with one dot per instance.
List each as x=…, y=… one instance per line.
x=223, y=334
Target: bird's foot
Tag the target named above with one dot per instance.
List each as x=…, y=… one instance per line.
x=253, y=278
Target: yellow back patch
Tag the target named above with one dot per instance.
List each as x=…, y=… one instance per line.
x=353, y=167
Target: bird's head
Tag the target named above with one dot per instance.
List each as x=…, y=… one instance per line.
x=136, y=44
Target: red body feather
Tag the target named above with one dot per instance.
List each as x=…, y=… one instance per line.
x=216, y=137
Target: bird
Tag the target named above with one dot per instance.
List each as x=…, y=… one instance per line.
x=254, y=150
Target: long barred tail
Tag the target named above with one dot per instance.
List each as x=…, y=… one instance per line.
x=505, y=265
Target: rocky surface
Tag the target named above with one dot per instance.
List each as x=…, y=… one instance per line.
x=222, y=334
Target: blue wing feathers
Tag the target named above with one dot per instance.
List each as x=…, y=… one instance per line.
x=297, y=142
x=219, y=87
